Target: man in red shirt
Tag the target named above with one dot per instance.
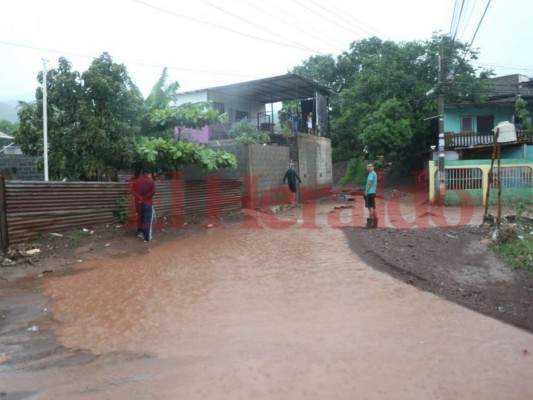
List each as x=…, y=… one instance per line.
x=143, y=190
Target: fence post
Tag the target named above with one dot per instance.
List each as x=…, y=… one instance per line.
x=4, y=239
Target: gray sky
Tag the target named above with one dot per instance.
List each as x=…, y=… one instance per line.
x=208, y=43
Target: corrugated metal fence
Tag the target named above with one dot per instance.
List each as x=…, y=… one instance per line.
x=29, y=209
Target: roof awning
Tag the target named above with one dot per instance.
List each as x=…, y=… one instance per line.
x=272, y=90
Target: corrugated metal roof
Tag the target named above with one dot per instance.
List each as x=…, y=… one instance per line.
x=271, y=90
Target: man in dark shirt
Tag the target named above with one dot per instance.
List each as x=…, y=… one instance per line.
x=143, y=190
x=290, y=177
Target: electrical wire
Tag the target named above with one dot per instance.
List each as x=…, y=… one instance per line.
x=298, y=45
x=478, y=26
x=213, y=25
x=341, y=17
x=458, y=20
x=291, y=23
x=27, y=46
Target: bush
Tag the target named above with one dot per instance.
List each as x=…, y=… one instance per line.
x=244, y=132
x=341, y=154
x=355, y=172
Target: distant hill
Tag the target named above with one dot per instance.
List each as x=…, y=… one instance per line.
x=8, y=111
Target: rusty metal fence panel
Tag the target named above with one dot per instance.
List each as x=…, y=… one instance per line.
x=33, y=208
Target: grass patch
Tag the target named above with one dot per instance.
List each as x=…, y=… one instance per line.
x=514, y=245
x=517, y=254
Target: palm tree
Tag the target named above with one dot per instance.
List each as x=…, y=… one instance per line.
x=162, y=94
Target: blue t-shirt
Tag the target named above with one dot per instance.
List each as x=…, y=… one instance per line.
x=372, y=179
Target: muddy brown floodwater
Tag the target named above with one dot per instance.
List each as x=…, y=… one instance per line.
x=263, y=313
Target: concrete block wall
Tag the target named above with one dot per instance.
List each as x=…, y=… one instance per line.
x=324, y=162
x=262, y=169
x=268, y=165
x=20, y=167
x=315, y=165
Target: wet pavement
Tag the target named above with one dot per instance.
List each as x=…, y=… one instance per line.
x=253, y=312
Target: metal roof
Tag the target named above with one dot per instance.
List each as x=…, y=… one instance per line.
x=271, y=90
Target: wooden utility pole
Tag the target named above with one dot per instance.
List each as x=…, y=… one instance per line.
x=442, y=171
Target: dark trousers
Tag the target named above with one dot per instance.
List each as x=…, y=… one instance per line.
x=147, y=216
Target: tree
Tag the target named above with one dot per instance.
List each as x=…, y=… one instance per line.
x=188, y=115
x=245, y=133
x=387, y=129
x=8, y=127
x=321, y=68
x=520, y=107
x=163, y=94
x=376, y=77
x=93, y=119
x=170, y=154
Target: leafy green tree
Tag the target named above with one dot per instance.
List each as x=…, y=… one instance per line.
x=245, y=133
x=93, y=119
x=520, y=107
x=8, y=127
x=190, y=115
x=321, y=68
x=387, y=129
x=163, y=94
x=378, y=77
x=170, y=154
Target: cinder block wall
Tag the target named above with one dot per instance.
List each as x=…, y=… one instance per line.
x=262, y=168
x=315, y=165
x=268, y=165
x=20, y=167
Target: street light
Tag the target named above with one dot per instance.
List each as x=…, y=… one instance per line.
x=45, y=122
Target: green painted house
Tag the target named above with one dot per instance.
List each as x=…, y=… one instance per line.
x=469, y=143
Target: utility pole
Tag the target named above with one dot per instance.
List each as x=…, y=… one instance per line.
x=45, y=122
x=442, y=172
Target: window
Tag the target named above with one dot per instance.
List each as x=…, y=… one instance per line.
x=485, y=123
x=219, y=107
x=464, y=178
x=513, y=177
x=240, y=115
x=467, y=124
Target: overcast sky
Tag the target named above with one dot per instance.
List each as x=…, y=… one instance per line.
x=208, y=43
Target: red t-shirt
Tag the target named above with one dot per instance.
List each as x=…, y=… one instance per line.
x=143, y=189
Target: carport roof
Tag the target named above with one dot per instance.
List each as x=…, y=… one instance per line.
x=271, y=90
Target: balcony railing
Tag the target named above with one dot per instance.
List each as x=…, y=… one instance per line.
x=467, y=139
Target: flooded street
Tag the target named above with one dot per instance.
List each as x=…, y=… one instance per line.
x=279, y=312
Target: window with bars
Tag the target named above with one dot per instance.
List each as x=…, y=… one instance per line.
x=512, y=177
x=464, y=178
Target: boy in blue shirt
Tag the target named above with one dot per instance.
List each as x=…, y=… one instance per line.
x=370, y=196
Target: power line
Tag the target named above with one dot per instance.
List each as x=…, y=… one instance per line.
x=466, y=21
x=320, y=15
x=290, y=23
x=458, y=20
x=143, y=64
x=342, y=17
x=299, y=45
x=189, y=18
x=478, y=25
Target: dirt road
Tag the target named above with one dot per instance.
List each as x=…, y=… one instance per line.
x=285, y=312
